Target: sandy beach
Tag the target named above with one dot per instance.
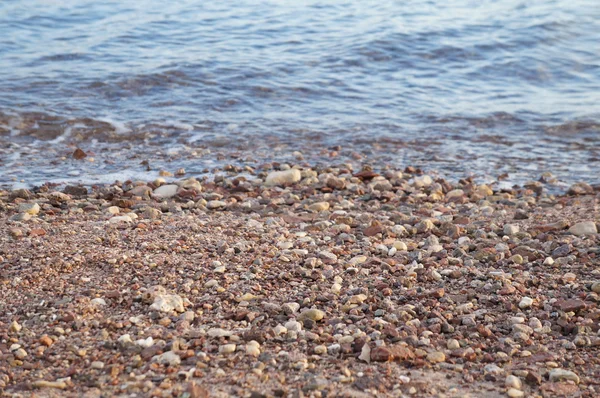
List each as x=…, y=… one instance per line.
x=292, y=281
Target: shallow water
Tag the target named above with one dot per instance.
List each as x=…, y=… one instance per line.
x=483, y=87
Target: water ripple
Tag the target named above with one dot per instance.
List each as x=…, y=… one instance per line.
x=466, y=77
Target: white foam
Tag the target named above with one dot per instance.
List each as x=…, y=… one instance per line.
x=103, y=177
x=63, y=136
x=120, y=127
x=179, y=125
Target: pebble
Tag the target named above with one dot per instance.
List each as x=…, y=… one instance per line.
x=191, y=184
x=484, y=190
x=422, y=181
x=453, y=344
x=424, y=226
x=282, y=178
x=168, y=358
x=279, y=330
x=584, y=228
x=168, y=303
x=549, y=261
x=29, y=208
x=20, y=353
x=218, y=332
x=59, y=385
x=436, y=357
x=320, y=350
x=328, y=257
x=346, y=339
x=21, y=217
x=15, y=327
x=147, y=342
x=113, y=210
x=215, y=204
x=290, y=308
x=247, y=297
x=59, y=196
x=15, y=233
x=511, y=229
x=142, y=191
x=365, y=353
x=400, y=246
x=46, y=340
x=535, y=323
x=580, y=188
x=570, y=305
x=312, y=314
x=525, y=302
x=151, y=213
x=319, y=206
x=125, y=339
x=357, y=260
x=559, y=374
x=227, y=348
x=334, y=349
x=119, y=219
x=166, y=191
x=515, y=393
x=253, y=348
x=98, y=301
x=517, y=259
x=211, y=283
x=188, y=316
x=513, y=382
x=97, y=365
x=336, y=288
x=455, y=193
x=293, y=326
x=493, y=369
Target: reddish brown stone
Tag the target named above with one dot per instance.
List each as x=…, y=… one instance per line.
x=37, y=232
x=526, y=251
x=484, y=331
x=571, y=305
x=373, y=230
x=391, y=353
x=462, y=220
x=533, y=378
x=366, y=175
x=402, y=353
x=381, y=354
x=359, y=344
x=507, y=290
x=79, y=154
x=197, y=391
x=123, y=203
x=390, y=331
x=112, y=294
x=148, y=353
x=46, y=340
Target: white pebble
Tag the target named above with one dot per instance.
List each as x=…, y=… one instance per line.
x=526, y=302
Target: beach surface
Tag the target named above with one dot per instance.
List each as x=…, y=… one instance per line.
x=291, y=280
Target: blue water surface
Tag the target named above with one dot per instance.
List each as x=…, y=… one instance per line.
x=476, y=84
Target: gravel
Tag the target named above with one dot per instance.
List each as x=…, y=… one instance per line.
x=298, y=281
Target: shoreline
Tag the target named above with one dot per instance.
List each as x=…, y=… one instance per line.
x=82, y=162
x=288, y=282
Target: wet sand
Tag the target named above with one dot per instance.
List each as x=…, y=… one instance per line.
x=299, y=282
